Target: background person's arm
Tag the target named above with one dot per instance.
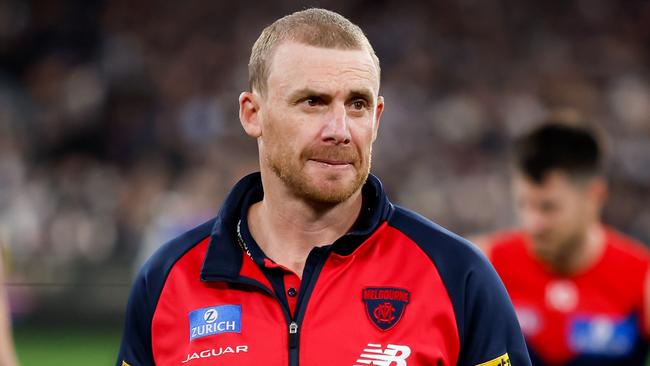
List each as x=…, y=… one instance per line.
x=7, y=353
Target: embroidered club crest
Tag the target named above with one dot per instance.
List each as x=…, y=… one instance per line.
x=385, y=305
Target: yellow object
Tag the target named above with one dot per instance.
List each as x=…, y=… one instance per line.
x=502, y=360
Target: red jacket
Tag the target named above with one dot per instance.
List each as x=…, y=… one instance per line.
x=396, y=290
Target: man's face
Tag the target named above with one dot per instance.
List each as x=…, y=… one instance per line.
x=556, y=214
x=319, y=118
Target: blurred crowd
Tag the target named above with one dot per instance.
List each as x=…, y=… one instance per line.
x=119, y=127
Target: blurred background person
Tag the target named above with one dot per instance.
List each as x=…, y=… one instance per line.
x=7, y=353
x=579, y=286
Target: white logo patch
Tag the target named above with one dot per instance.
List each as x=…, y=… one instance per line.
x=562, y=295
x=375, y=355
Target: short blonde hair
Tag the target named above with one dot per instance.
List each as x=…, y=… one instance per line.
x=313, y=27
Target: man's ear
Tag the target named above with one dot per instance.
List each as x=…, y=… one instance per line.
x=378, y=111
x=598, y=192
x=249, y=116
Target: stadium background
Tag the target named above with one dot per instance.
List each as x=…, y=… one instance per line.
x=119, y=129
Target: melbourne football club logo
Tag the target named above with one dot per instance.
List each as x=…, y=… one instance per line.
x=214, y=320
x=385, y=305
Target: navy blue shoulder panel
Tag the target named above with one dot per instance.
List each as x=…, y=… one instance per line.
x=136, y=348
x=487, y=324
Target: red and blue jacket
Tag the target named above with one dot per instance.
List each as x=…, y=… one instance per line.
x=594, y=317
x=395, y=290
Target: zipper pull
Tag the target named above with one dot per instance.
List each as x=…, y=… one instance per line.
x=293, y=334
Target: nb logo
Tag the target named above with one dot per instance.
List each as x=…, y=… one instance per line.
x=393, y=355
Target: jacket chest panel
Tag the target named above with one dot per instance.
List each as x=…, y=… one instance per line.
x=219, y=325
x=374, y=307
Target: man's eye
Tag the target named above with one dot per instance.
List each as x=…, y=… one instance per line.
x=359, y=104
x=312, y=102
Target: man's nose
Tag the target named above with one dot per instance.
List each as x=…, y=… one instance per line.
x=337, y=127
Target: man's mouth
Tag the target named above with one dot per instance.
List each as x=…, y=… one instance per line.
x=333, y=162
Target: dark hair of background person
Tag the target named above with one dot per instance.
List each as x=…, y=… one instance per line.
x=571, y=149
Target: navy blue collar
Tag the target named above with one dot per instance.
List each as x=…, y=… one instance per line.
x=224, y=255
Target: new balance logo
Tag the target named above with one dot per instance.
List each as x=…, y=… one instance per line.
x=375, y=355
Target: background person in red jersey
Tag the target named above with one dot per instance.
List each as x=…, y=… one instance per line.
x=305, y=262
x=579, y=287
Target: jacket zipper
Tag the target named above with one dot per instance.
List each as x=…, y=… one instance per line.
x=293, y=334
x=305, y=294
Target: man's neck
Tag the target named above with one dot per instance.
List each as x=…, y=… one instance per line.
x=288, y=228
x=587, y=254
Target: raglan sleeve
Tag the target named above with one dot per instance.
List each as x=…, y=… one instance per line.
x=136, y=346
x=491, y=332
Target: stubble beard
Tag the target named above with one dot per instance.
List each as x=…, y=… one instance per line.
x=563, y=255
x=333, y=190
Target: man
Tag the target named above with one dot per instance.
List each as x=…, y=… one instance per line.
x=308, y=262
x=578, y=286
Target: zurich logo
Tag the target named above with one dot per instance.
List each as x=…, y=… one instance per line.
x=215, y=320
x=210, y=315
